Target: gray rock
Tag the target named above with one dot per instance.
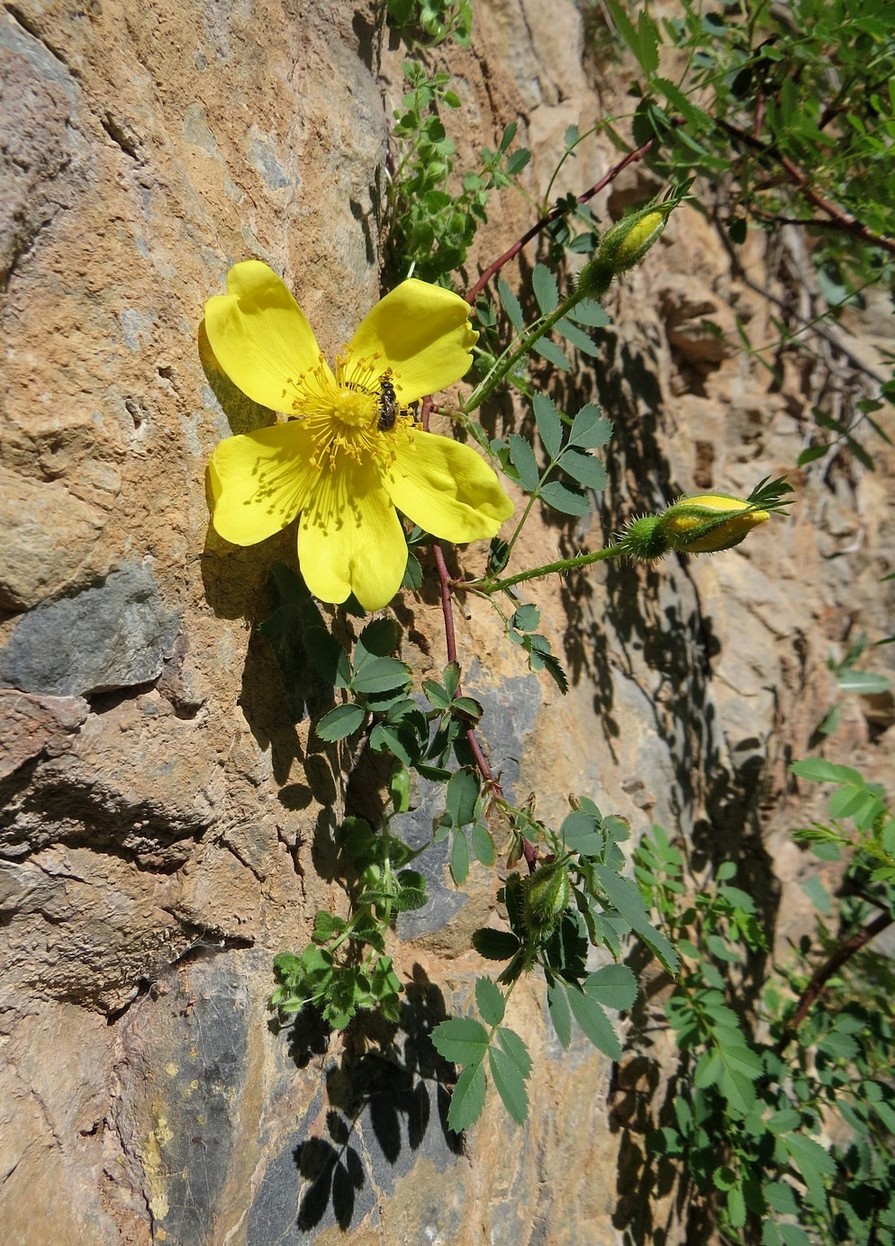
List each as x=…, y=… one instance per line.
x=510, y=713
x=113, y=635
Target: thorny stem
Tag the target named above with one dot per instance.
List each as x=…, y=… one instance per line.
x=558, y=211
x=819, y=980
x=446, y=586
x=550, y=568
x=531, y=335
x=481, y=761
x=839, y=218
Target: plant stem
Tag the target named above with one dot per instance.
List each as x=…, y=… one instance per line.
x=818, y=982
x=561, y=565
x=524, y=344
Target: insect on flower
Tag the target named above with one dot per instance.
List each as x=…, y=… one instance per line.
x=388, y=404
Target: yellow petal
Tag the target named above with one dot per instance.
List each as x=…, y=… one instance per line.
x=350, y=539
x=422, y=333
x=260, y=336
x=446, y=488
x=260, y=481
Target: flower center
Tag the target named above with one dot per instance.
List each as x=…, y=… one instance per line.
x=349, y=413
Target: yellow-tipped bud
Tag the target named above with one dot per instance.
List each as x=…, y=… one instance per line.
x=635, y=238
x=709, y=522
x=703, y=523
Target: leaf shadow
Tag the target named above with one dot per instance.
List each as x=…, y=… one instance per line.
x=385, y=1103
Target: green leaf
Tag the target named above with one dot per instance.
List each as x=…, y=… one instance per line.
x=812, y=453
x=495, y=944
x=736, y=1207
x=589, y=312
x=560, y=1015
x=510, y=305
x=740, y=1069
x=385, y=739
x=411, y=891
x=461, y=796
x=564, y=499
x=459, y=858
x=516, y=1049
x=437, y=696
x=550, y=351
x=579, y=339
x=527, y=618
x=580, y=832
x=864, y=682
x=648, y=43
x=622, y=24
x=821, y=771
x=583, y=467
x=510, y=1084
x=793, y=1234
x=326, y=925
x=614, y=986
x=595, y=1024
x=483, y=845
x=544, y=285
x=380, y=675
x=379, y=639
x=461, y=1040
x=590, y=430
x=343, y=721
x=524, y=461
x=468, y=1098
x=490, y=1001
x=549, y=424
x=811, y=1162
x=327, y=656
x=625, y=897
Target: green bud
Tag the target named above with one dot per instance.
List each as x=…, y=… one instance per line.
x=645, y=540
x=546, y=898
x=623, y=246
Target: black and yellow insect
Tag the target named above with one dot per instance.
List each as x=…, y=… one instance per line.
x=388, y=404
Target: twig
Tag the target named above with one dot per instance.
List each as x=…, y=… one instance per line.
x=558, y=211
x=839, y=218
x=822, y=975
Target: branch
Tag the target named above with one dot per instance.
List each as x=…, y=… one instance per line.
x=839, y=218
x=631, y=158
x=819, y=980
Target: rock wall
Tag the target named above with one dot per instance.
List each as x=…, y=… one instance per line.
x=168, y=815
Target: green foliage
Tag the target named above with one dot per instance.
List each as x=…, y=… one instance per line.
x=577, y=900
x=433, y=220
x=756, y=1096
x=791, y=109
x=745, y=1119
x=431, y=22
x=851, y=680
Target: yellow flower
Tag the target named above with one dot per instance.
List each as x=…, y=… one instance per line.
x=349, y=451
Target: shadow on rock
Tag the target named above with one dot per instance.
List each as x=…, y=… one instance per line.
x=378, y=1113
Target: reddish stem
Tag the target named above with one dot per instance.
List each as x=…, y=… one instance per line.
x=819, y=980
x=528, y=850
x=839, y=218
x=552, y=215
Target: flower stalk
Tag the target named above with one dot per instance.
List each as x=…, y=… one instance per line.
x=702, y=523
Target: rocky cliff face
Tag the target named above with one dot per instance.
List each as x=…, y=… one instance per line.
x=168, y=815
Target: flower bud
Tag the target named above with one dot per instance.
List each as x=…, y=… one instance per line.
x=546, y=898
x=623, y=246
x=708, y=522
x=701, y=524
